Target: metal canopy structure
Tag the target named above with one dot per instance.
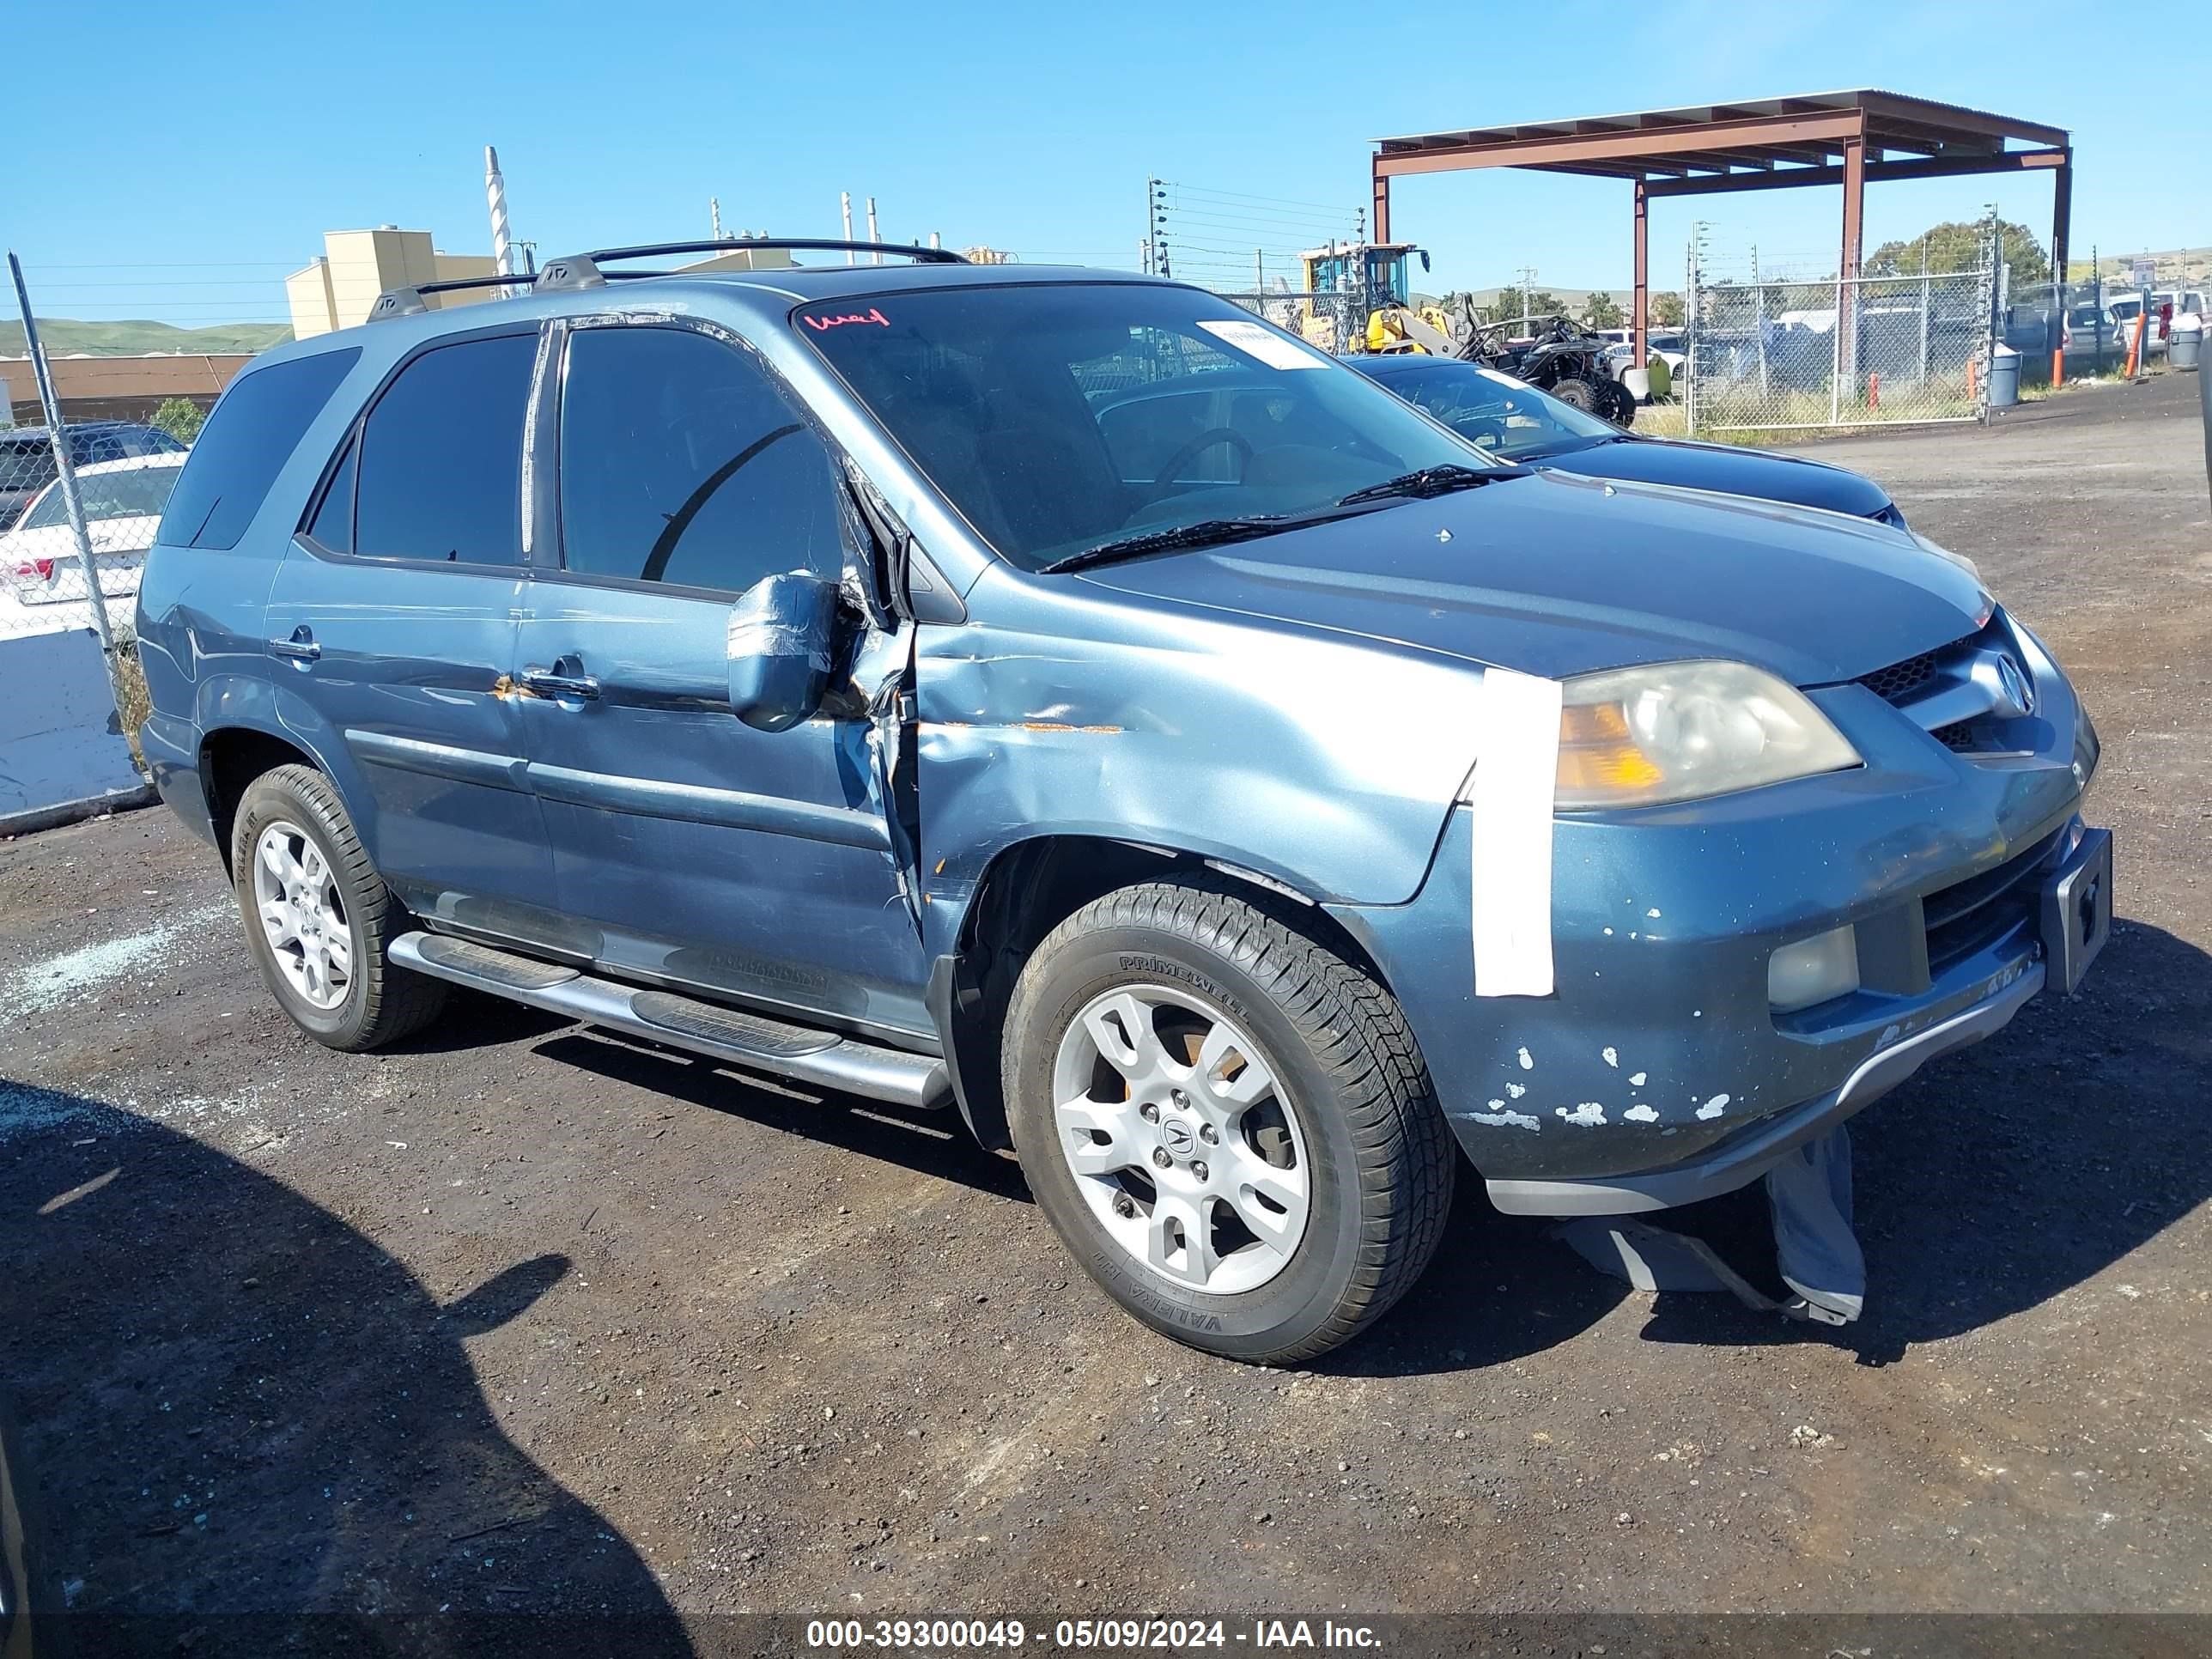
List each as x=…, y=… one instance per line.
x=1847, y=138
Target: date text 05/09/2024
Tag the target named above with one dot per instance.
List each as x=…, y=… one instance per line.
x=1125, y=1634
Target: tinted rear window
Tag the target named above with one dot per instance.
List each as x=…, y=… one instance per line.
x=26, y=464
x=248, y=439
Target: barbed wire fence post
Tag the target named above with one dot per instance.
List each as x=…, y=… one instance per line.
x=1992, y=298
x=1693, y=332
x=65, y=482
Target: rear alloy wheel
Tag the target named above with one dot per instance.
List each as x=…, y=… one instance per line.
x=1227, y=1122
x=318, y=918
x=303, y=915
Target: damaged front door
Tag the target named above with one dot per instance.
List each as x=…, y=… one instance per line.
x=689, y=846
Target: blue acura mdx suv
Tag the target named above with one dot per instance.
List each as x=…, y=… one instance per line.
x=1064, y=698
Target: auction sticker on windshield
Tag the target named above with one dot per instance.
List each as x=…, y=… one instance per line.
x=1257, y=340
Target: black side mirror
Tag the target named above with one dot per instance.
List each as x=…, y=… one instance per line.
x=782, y=638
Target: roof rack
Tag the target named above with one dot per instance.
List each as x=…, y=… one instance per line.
x=406, y=301
x=582, y=270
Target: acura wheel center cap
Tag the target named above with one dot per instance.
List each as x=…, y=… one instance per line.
x=1178, y=1137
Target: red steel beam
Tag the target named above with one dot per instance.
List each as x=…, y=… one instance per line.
x=1885, y=111
x=1631, y=145
x=1934, y=166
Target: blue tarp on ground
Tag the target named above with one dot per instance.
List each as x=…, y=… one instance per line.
x=60, y=741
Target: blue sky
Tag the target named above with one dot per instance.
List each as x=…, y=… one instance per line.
x=189, y=158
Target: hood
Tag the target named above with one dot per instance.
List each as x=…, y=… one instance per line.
x=1732, y=471
x=1557, y=574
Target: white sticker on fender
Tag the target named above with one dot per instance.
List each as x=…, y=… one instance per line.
x=1258, y=340
x=1515, y=776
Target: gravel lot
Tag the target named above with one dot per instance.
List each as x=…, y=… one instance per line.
x=523, y=1318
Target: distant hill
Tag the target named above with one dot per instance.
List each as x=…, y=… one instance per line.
x=65, y=337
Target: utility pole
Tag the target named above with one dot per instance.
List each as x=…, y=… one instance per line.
x=845, y=207
x=1155, y=198
x=1527, y=290
x=873, y=258
x=714, y=216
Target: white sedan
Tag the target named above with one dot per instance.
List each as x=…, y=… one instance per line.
x=123, y=503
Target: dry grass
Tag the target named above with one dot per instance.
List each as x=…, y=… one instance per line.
x=132, y=705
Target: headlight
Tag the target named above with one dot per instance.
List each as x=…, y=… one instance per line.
x=1682, y=730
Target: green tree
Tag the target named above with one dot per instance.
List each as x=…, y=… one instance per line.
x=1956, y=245
x=1667, y=310
x=180, y=417
x=1602, y=311
x=1506, y=307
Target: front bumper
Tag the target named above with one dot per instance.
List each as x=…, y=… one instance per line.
x=1657, y=1073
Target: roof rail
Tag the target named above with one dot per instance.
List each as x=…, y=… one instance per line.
x=582, y=270
x=406, y=301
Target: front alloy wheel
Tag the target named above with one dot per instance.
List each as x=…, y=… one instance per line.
x=1227, y=1121
x=1182, y=1142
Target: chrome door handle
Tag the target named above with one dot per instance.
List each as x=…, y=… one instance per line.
x=300, y=648
x=554, y=683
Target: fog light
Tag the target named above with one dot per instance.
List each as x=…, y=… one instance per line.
x=1813, y=971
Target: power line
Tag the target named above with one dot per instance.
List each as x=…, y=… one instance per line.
x=1281, y=201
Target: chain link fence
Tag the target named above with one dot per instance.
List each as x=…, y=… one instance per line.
x=1775, y=345
x=80, y=504
x=1335, y=321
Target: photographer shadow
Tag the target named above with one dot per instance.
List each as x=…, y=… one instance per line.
x=242, y=1427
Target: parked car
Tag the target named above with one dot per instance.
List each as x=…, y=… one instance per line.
x=123, y=502
x=832, y=672
x=1519, y=424
x=27, y=455
x=1664, y=346
x=2165, y=304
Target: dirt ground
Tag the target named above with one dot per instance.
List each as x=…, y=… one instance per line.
x=525, y=1318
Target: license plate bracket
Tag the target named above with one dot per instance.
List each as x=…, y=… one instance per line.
x=2077, y=912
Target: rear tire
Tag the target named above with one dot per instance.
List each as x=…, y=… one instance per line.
x=1619, y=404
x=319, y=919
x=1576, y=393
x=1181, y=1053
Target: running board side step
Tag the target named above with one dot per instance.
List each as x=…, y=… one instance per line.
x=822, y=1059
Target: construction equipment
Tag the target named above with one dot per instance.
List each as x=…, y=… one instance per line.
x=1565, y=358
x=1370, y=275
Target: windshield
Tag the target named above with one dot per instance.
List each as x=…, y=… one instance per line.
x=1511, y=421
x=1060, y=416
x=140, y=492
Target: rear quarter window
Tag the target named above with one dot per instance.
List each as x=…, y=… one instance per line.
x=252, y=434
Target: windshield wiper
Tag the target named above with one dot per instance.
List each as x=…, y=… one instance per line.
x=1207, y=533
x=1431, y=481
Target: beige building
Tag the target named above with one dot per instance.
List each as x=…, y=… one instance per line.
x=339, y=289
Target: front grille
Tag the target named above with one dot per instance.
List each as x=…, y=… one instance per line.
x=1900, y=680
x=1968, y=915
x=1960, y=735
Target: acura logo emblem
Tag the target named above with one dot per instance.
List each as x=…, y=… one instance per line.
x=2010, y=693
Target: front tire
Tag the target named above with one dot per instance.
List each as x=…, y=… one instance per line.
x=319, y=919
x=1619, y=404
x=1228, y=1125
